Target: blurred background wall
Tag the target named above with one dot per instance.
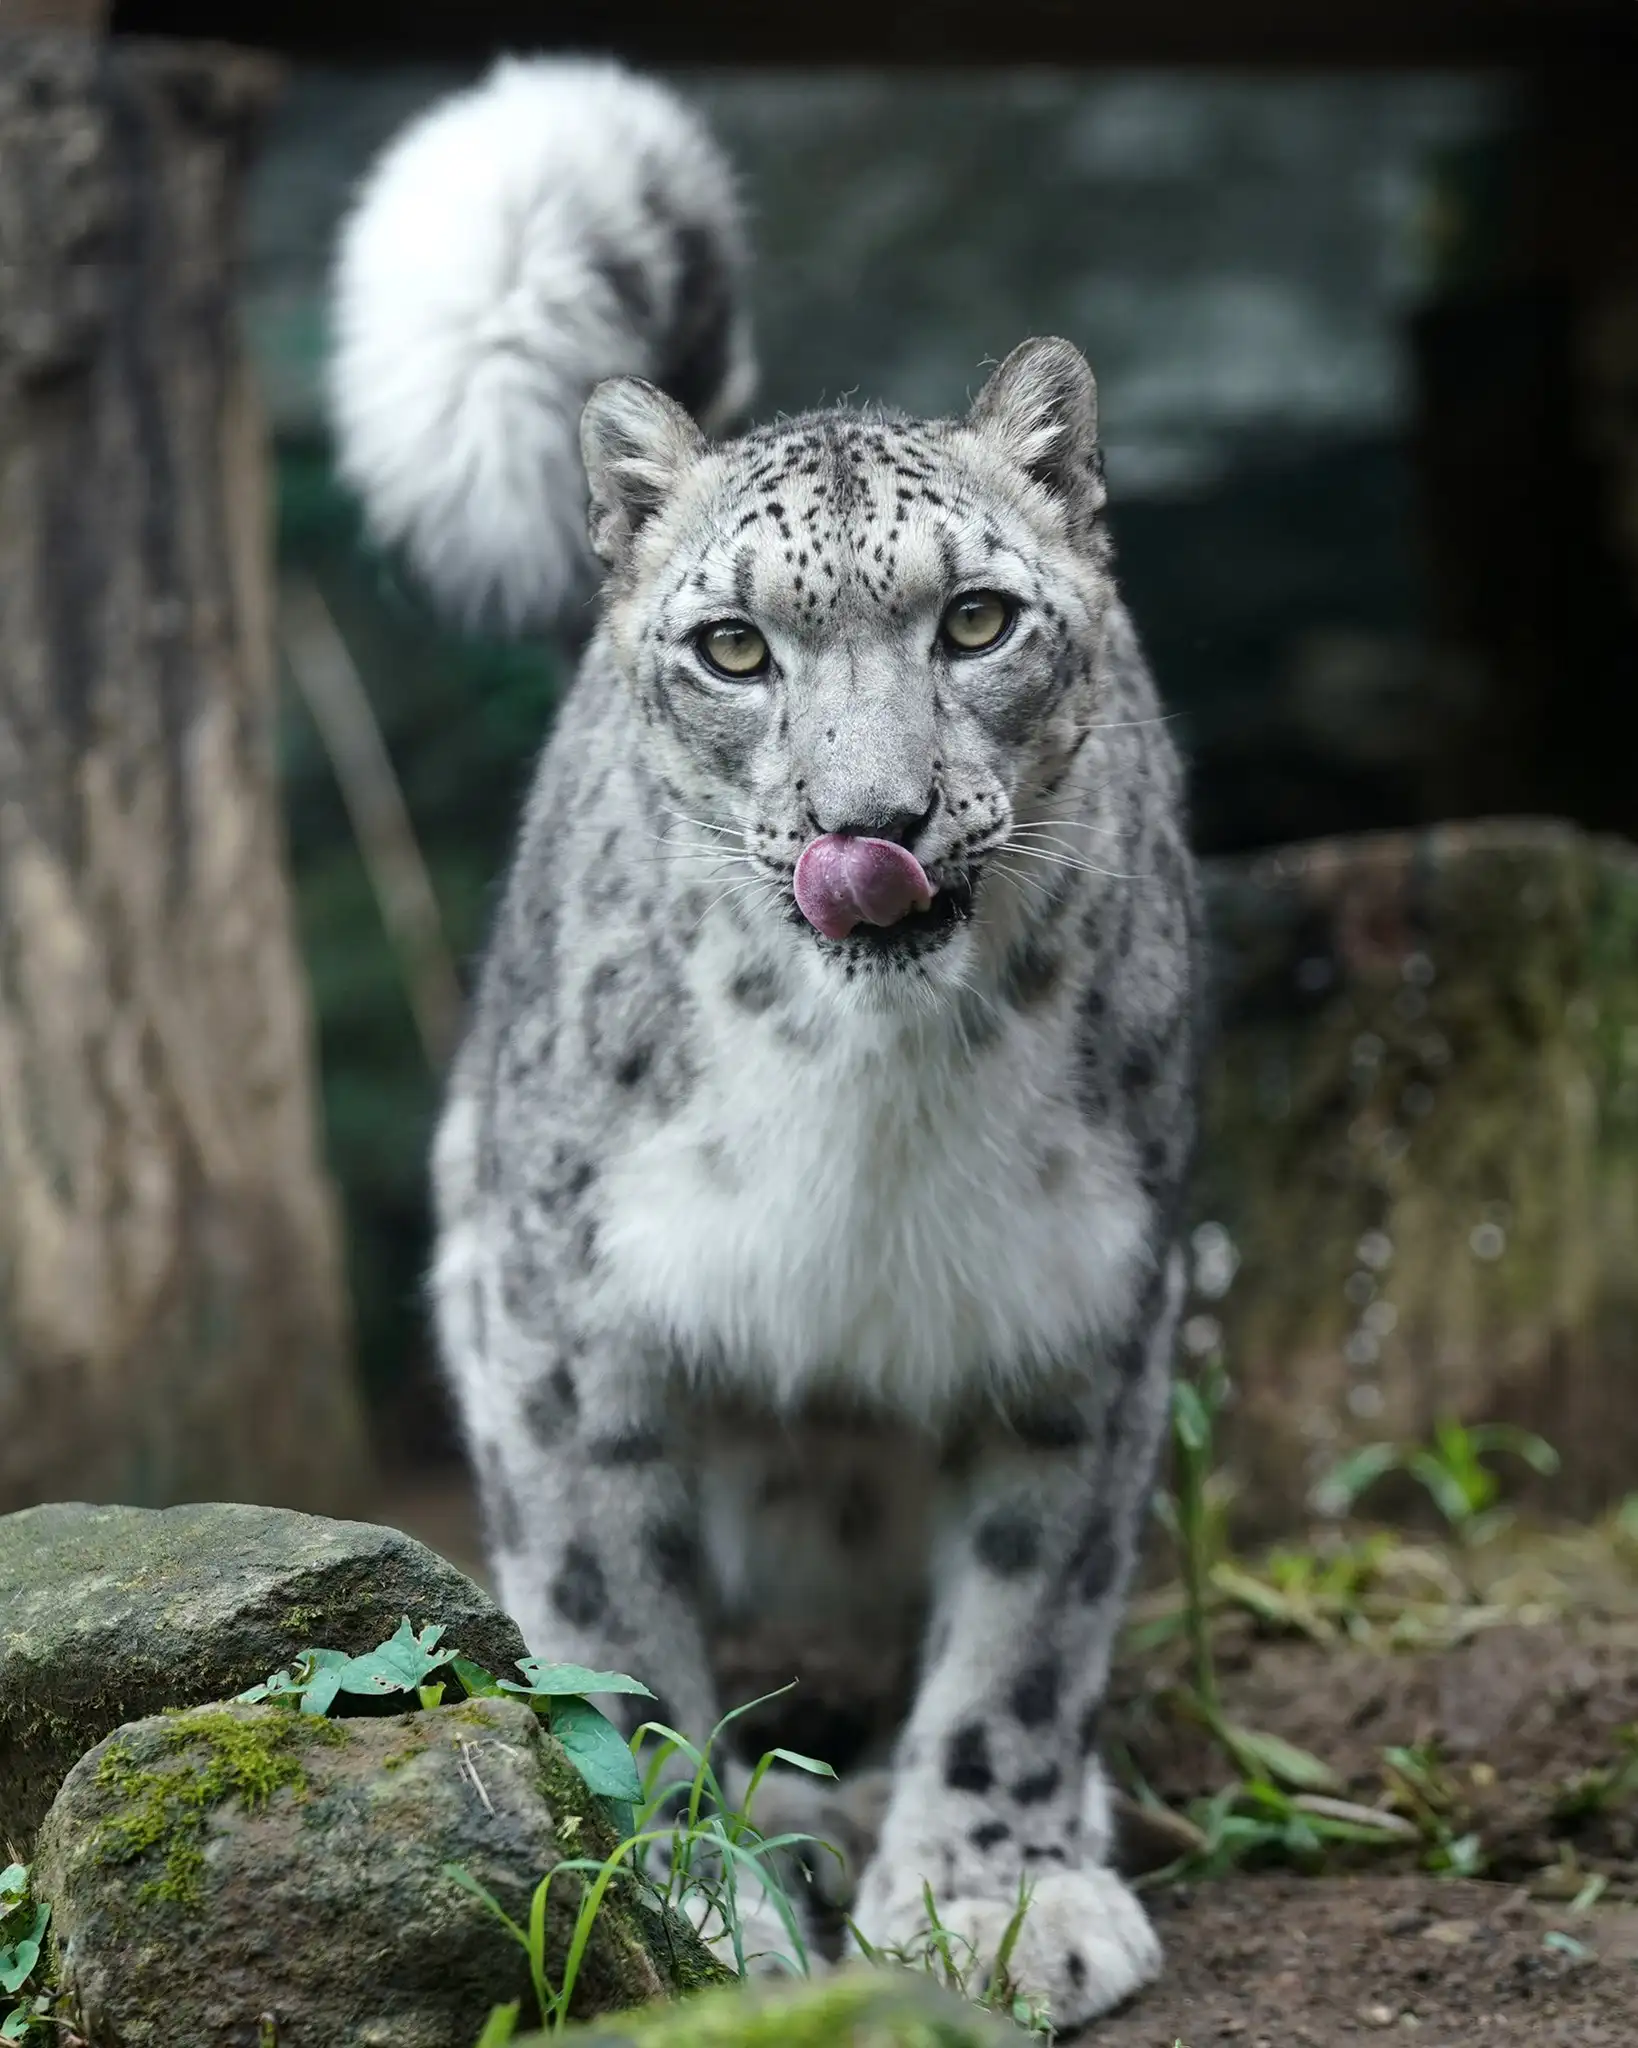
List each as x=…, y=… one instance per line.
x=1361, y=287
x=1241, y=258
x=1270, y=275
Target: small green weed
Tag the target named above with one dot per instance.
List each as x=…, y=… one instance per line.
x=1263, y=1760
x=716, y=1844
x=24, y=2002
x=949, y=1959
x=1422, y=1787
x=1453, y=1470
x=1604, y=1788
x=1624, y=1523
x=1283, y=1804
x=1322, y=1594
x=1373, y=1589
x=1256, y=1821
x=698, y=1865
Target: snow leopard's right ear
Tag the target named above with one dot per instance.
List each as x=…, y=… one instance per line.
x=636, y=443
x=1041, y=405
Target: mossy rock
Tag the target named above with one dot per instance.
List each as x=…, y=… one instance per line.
x=108, y=1614
x=858, y=2008
x=211, y=1867
x=1421, y=1138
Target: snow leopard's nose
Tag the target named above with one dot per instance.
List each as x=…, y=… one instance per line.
x=879, y=820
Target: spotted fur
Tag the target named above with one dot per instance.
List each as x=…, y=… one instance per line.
x=821, y=1280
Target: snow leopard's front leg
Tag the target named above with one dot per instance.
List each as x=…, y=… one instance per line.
x=996, y=1779
x=591, y=1514
x=593, y=1534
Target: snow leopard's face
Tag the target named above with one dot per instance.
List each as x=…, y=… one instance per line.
x=841, y=625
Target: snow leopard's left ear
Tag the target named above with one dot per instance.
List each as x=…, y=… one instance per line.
x=636, y=443
x=1042, y=408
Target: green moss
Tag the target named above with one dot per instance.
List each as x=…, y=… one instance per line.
x=469, y=1711
x=218, y=1755
x=588, y=1832
x=696, y=1969
x=886, y=2009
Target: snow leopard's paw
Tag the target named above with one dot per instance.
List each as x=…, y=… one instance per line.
x=1085, y=1946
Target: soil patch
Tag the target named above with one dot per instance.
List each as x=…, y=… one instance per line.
x=1278, y=1961
x=1527, y=1728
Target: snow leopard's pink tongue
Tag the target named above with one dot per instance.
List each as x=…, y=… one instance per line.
x=842, y=881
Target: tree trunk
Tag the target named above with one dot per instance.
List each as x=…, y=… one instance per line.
x=172, y=1315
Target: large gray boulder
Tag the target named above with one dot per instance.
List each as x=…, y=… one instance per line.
x=1419, y=1178
x=211, y=1869
x=108, y=1614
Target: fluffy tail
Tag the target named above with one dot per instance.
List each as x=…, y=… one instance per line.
x=558, y=223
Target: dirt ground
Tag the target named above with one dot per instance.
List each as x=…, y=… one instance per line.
x=1527, y=1724
x=1524, y=1721
x=1524, y=1716
x=1277, y=1961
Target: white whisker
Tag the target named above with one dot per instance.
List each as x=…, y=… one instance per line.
x=1130, y=724
x=1085, y=867
x=734, y=889
x=704, y=824
x=1050, y=840
x=1078, y=824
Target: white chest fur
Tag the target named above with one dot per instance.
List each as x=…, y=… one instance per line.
x=890, y=1211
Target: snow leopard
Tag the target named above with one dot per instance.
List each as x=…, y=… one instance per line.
x=809, y=1180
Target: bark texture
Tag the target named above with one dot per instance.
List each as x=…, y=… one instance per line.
x=1419, y=1182
x=172, y=1318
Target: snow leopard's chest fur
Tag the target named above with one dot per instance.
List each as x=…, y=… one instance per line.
x=921, y=1177
x=902, y=1212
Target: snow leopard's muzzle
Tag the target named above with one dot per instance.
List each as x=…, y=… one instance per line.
x=871, y=900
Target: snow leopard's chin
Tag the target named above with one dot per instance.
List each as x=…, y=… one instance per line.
x=922, y=960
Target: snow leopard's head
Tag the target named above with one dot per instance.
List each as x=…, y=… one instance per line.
x=846, y=628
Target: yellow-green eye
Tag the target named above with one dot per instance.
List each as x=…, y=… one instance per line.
x=976, y=619
x=734, y=647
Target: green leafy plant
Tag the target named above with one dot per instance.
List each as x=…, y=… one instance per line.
x=1374, y=1589
x=23, y=1921
x=1283, y=1804
x=699, y=1864
x=1453, y=1470
x=402, y=1665
x=500, y=2026
x=1264, y=1760
x=716, y=1844
x=1603, y=1788
x=1257, y=1821
x=1317, y=1593
x=951, y=1960
x=416, y=1668
x=1422, y=1787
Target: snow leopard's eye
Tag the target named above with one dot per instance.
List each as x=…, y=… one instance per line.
x=977, y=619
x=733, y=647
